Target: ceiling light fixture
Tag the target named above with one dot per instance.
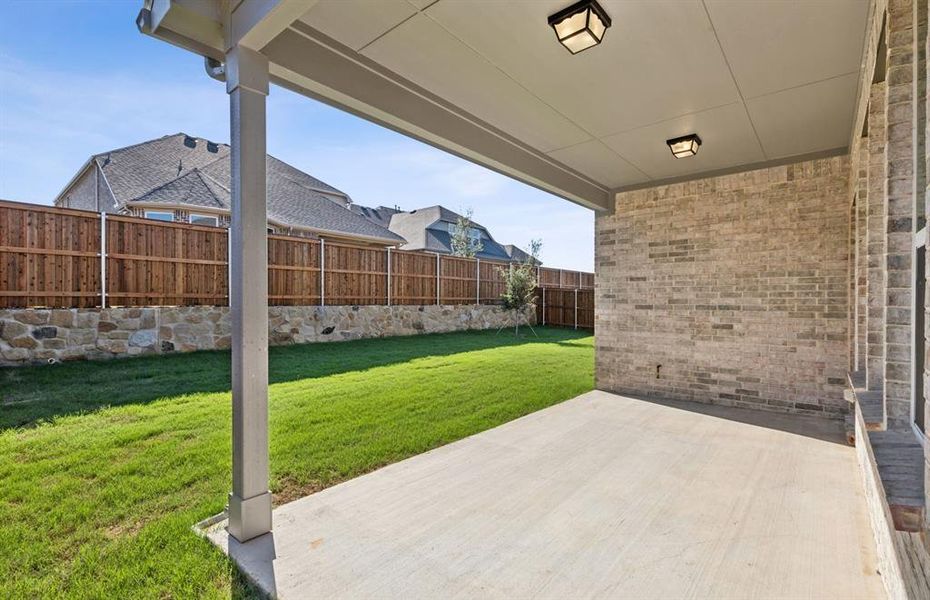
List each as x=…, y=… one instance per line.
x=580, y=26
x=684, y=146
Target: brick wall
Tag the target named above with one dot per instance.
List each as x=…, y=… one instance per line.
x=729, y=290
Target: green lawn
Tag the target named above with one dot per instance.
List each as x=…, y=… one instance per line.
x=105, y=466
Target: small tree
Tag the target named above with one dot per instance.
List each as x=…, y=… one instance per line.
x=520, y=285
x=463, y=242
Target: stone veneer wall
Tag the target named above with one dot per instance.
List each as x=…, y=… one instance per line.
x=729, y=290
x=37, y=335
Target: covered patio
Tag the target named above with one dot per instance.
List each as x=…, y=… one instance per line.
x=602, y=496
x=758, y=171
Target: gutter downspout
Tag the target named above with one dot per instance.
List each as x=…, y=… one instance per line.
x=214, y=68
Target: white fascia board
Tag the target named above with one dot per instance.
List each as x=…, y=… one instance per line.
x=176, y=206
x=221, y=211
x=73, y=180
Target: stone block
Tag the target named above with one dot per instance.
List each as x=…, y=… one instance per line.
x=24, y=342
x=41, y=333
x=144, y=338
x=61, y=318
x=87, y=319
x=32, y=317
x=14, y=354
x=10, y=329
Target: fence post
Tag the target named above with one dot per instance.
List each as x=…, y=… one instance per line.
x=437, y=278
x=389, y=276
x=478, y=281
x=560, y=277
x=576, y=308
x=322, y=272
x=103, y=260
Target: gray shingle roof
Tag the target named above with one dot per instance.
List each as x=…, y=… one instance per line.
x=427, y=229
x=381, y=215
x=180, y=169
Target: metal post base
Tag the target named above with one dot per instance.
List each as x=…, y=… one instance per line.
x=250, y=517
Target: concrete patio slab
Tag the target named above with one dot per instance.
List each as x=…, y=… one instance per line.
x=600, y=496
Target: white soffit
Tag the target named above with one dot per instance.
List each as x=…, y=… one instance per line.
x=727, y=130
x=758, y=80
x=426, y=54
x=773, y=46
x=356, y=23
x=600, y=163
x=805, y=119
x=659, y=60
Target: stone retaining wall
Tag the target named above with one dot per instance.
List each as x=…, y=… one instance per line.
x=38, y=335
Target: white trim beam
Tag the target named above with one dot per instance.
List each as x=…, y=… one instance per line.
x=254, y=23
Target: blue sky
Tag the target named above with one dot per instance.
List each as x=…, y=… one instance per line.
x=76, y=78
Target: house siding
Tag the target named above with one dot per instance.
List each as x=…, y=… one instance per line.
x=88, y=192
x=729, y=290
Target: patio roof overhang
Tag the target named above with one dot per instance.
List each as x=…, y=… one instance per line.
x=763, y=84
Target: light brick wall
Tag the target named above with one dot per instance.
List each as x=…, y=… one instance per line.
x=735, y=285
x=861, y=278
x=876, y=225
x=899, y=182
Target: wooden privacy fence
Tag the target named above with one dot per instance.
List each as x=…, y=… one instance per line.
x=565, y=307
x=65, y=258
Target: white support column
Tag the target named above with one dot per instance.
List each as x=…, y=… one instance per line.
x=389, y=276
x=322, y=272
x=250, y=500
x=478, y=281
x=103, y=260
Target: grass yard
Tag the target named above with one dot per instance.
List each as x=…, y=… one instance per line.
x=105, y=466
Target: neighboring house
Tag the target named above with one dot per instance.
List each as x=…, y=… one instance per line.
x=431, y=229
x=185, y=179
x=517, y=254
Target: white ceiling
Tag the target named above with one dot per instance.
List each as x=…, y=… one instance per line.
x=758, y=80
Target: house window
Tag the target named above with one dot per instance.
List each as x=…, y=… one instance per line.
x=473, y=233
x=159, y=215
x=204, y=219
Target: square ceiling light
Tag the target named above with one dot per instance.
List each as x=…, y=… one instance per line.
x=684, y=146
x=580, y=26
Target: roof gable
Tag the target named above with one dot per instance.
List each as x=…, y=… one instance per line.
x=183, y=170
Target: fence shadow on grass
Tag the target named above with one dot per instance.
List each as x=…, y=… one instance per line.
x=33, y=395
